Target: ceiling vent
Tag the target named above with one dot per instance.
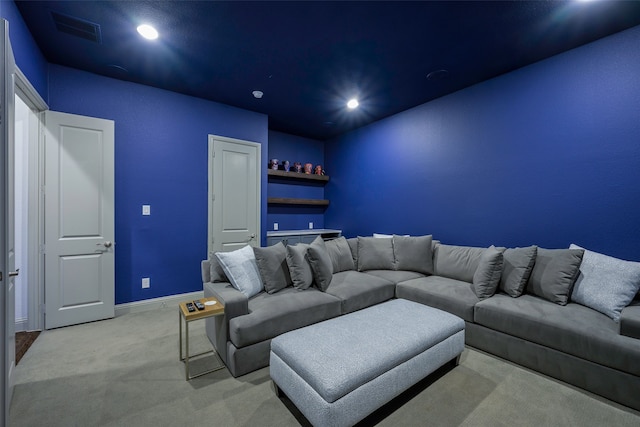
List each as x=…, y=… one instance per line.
x=77, y=27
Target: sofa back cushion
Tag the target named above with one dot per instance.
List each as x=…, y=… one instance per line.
x=272, y=264
x=375, y=254
x=299, y=268
x=340, y=254
x=457, y=262
x=487, y=275
x=605, y=283
x=242, y=270
x=413, y=253
x=554, y=274
x=321, y=264
x=518, y=264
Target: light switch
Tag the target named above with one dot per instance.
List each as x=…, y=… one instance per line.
x=146, y=209
x=275, y=226
x=310, y=226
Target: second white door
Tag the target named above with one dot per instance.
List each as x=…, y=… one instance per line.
x=234, y=194
x=79, y=219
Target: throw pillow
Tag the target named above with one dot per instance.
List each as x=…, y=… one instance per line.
x=487, y=275
x=554, y=274
x=215, y=270
x=457, y=262
x=353, y=246
x=375, y=254
x=320, y=263
x=242, y=270
x=517, y=267
x=299, y=268
x=340, y=254
x=413, y=253
x=272, y=264
x=606, y=284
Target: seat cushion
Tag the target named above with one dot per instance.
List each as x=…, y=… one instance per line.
x=273, y=314
x=395, y=276
x=358, y=290
x=453, y=296
x=572, y=329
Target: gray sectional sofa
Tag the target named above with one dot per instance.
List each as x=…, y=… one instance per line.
x=517, y=303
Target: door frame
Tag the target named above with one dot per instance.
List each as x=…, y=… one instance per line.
x=35, y=222
x=34, y=275
x=210, y=158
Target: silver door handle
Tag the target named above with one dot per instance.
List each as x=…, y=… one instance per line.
x=253, y=236
x=14, y=273
x=106, y=244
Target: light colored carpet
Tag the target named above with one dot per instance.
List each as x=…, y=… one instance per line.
x=125, y=372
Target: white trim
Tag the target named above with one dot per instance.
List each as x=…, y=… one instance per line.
x=29, y=94
x=22, y=324
x=156, y=303
x=35, y=288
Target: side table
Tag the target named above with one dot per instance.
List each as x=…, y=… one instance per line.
x=187, y=317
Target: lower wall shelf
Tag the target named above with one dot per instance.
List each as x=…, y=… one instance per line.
x=293, y=201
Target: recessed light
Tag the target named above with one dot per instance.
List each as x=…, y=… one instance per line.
x=147, y=31
x=353, y=103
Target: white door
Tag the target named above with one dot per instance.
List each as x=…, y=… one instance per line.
x=7, y=232
x=79, y=219
x=234, y=194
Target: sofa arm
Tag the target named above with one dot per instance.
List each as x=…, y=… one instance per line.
x=630, y=320
x=235, y=302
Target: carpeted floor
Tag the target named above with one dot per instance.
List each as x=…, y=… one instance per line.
x=125, y=371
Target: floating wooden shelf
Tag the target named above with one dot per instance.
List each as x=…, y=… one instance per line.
x=297, y=175
x=292, y=201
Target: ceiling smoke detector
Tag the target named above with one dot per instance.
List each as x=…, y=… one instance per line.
x=257, y=94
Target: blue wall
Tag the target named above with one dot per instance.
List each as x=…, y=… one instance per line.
x=295, y=149
x=548, y=155
x=27, y=54
x=161, y=160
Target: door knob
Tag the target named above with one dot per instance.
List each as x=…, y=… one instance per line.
x=106, y=244
x=14, y=273
x=253, y=236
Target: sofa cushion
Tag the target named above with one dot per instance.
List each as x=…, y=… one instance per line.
x=413, y=253
x=487, y=275
x=630, y=320
x=272, y=264
x=573, y=329
x=242, y=270
x=375, y=254
x=320, y=263
x=517, y=266
x=457, y=262
x=554, y=274
x=299, y=268
x=353, y=246
x=453, y=296
x=340, y=254
x=605, y=283
x=216, y=273
x=395, y=276
x=358, y=290
x=273, y=314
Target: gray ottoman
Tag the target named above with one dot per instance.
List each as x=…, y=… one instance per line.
x=341, y=370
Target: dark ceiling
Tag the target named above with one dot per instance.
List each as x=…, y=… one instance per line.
x=309, y=58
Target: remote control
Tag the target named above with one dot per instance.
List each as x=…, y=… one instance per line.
x=199, y=305
x=190, y=307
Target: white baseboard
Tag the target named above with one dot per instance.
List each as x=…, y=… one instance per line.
x=21, y=324
x=155, y=303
